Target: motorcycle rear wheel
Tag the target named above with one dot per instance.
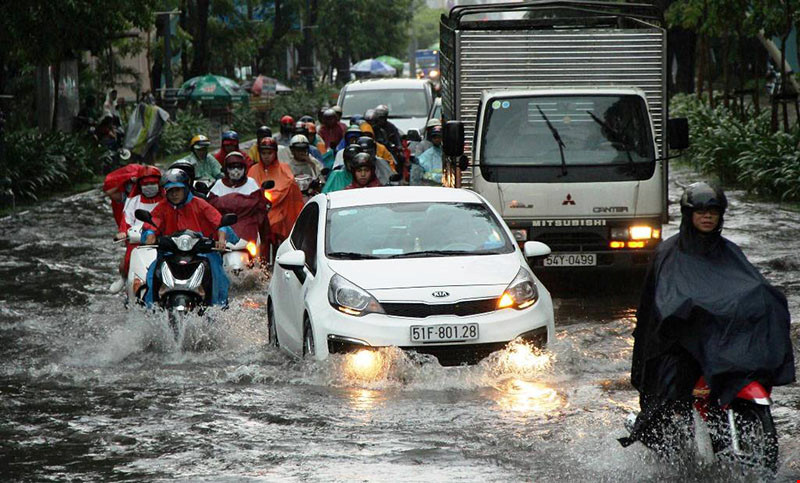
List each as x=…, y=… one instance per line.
x=758, y=440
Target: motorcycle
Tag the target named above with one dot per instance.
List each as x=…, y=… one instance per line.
x=183, y=280
x=742, y=432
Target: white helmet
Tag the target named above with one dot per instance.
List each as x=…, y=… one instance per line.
x=298, y=141
x=434, y=121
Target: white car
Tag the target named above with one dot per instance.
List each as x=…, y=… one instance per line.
x=429, y=269
x=409, y=100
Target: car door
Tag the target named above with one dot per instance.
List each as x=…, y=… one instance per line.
x=296, y=283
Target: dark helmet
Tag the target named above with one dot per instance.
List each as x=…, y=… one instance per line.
x=370, y=116
x=306, y=118
x=368, y=145
x=176, y=178
x=230, y=136
x=263, y=132
x=703, y=196
x=328, y=114
x=382, y=112
x=360, y=160
x=300, y=128
x=352, y=134
x=349, y=152
x=356, y=119
x=184, y=166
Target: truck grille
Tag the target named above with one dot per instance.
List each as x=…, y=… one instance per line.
x=573, y=241
x=421, y=310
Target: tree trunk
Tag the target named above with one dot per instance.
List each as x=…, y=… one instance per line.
x=681, y=49
x=200, y=58
x=701, y=66
x=710, y=73
x=726, y=91
x=280, y=28
x=185, y=27
x=784, y=78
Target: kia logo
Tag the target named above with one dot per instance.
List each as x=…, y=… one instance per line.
x=440, y=294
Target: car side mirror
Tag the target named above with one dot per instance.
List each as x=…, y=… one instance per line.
x=678, y=130
x=143, y=215
x=228, y=219
x=267, y=185
x=453, y=138
x=293, y=260
x=535, y=249
x=413, y=135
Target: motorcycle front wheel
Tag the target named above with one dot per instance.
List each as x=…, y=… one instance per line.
x=755, y=431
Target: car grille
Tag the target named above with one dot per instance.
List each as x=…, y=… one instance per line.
x=420, y=311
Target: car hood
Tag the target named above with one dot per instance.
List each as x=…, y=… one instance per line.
x=483, y=270
x=406, y=123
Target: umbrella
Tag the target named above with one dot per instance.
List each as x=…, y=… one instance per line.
x=373, y=67
x=434, y=46
x=211, y=88
x=392, y=61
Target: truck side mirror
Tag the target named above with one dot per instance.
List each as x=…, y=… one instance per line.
x=678, y=129
x=453, y=138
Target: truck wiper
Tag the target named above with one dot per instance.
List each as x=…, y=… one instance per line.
x=557, y=137
x=617, y=135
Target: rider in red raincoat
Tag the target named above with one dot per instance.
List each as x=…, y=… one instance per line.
x=119, y=184
x=230, y=143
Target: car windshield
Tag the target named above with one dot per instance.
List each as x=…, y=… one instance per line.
x=595, y=131
x=411, y=230
x=401, y=102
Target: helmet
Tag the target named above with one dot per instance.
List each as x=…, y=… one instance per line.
x=234, y=157
x=349, y=152
x=287, y=119
x=150, y=172
x=382, y=112
x=703, y=196
x=175, y=178
x=370, y=116
x=199, y=142
x=306, y=118
x=185, y=166
x=434, y=121
x=298, y=141
x=356, y=119
x=263, y=132
x=436, y=130
x=328, y=114
x=367, y=145
x=268, y=143
x=367, y=130
x=337, y=109
x=360, y=160
x=352, y=134
x=230, y=136
x=300, y=128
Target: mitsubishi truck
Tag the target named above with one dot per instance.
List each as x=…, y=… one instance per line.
x=556, y=112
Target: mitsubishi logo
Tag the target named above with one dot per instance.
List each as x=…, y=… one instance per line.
x=440, y=294
x=569, y=200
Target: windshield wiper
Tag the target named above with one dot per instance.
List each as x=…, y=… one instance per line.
x=557, y=137
x=617, y=135
x=441, y=253
x=352, y=256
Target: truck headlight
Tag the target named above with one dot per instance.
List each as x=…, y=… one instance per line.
x=521, y=293
x=641, y=232
x=351, y=299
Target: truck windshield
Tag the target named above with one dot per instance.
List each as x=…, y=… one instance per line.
x=401, y=102
x=601, y=130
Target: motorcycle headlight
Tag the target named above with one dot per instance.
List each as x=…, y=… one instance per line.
x=521, y=293
x=185, y=242
x=351, y=299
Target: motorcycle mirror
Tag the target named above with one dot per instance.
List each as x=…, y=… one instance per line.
x=228, y=219
x=267, y=185
x=124, y=154
x=143, y=215
x=325, y=172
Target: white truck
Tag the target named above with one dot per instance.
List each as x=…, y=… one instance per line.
x=556, y=112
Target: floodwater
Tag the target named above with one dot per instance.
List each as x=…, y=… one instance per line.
x=90, y=391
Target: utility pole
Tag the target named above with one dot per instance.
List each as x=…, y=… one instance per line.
x=307, y=69
x=168, y=45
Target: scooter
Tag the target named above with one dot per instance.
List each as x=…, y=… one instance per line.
x=182, y=281
x=742, y=432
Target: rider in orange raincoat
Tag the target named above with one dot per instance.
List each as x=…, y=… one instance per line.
x=286, y=198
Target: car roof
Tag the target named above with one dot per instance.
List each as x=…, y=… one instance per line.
x=381, y=84
x=399, y=194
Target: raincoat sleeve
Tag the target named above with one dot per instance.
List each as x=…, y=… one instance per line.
x=116, y=179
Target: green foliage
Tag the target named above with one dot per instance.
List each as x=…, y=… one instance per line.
x=426, y=26
x=743, y=153
x=36, y=164
x=301, y=102
x=245, y=121
x=179, y=131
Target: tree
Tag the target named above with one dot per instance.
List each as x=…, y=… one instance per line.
x=426, y=25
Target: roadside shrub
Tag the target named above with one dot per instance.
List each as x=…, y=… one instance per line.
x=37, y=164
x=301, y=102
x=180, y=130
x=743, y=153
x=245, y=121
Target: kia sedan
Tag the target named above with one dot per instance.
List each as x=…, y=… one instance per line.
x=426, y=269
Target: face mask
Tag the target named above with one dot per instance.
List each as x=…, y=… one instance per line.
x=235, y=173
x=150, y=190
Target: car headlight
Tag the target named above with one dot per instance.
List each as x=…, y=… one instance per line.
x=351, y=299
x=521, y=293
x=185, y=242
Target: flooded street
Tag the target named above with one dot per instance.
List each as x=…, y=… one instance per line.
x=90, y=391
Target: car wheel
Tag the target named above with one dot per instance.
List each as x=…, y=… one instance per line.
x=308, y=340
x=272, y=338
